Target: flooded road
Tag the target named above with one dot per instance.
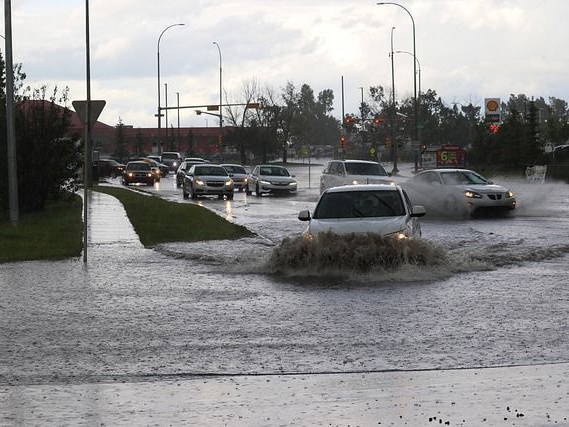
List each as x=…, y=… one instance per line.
x=213, y=308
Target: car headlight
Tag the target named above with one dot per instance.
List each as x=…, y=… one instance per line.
x=228, y=182
x=175, y=164
x=265, y=182
x=148, y=174
x=355, y=182
x=293, y=184
x=308, y=236
x=399, y=235
x=199, y=182
x=509, y=194
x=472, y=195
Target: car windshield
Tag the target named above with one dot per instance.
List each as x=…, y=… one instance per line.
x=169, y=156
x=210, y=171
x=235, y=169
x=138, y=167
x=360, y=204
x=365, y=169
x=273, y=171
x=462, y=178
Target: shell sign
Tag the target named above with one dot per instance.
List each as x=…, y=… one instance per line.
x=492, y=109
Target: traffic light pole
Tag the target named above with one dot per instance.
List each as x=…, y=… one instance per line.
x=10, y=123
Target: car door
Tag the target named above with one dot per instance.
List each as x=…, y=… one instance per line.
x=325, y=177
x=342, y=177
x=253, y=178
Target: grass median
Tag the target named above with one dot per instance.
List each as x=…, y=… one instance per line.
x=156, y=220
x=53, y=233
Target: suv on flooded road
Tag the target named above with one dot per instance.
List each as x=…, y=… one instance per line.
x=352, y=172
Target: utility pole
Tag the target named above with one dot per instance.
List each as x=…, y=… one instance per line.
x=10, y=124
x=342, y=149
x=178, y=135
x=394, y=148
x=166, y=101
x=87, y=146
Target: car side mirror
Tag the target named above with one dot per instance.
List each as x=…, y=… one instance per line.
x=389, y=174
x=304, y=215
x=490, y=182
x=418, y=211
x=293, y=176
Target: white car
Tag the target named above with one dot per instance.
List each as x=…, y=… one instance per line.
x=353, y=172
x=270, y=179
x=458, y=191
x=383, y=209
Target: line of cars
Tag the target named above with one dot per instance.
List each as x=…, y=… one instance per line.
x=198, y=178
x=361, y=197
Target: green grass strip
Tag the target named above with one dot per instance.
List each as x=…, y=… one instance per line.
x=54, y=233
x=156, y=220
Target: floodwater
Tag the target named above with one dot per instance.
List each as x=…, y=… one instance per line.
x=182, y=309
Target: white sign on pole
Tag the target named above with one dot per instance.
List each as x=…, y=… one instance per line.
x=81, y=110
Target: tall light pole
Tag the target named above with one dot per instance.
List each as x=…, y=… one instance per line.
x=166, y=113
x=220, y=97
x=10, y=123
x=418, y=70
x=88, y=164
x=159, y=114
x=394, y=148
x=414, y=65
x=178, y=133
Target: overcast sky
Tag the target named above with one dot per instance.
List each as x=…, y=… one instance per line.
x=468, y=49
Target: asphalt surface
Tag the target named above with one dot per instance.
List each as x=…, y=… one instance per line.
x=152, y=318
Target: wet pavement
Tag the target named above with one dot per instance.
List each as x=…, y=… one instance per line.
x=154, y=319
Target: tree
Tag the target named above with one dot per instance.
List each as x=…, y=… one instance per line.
x=120, y=142
x=47, y=159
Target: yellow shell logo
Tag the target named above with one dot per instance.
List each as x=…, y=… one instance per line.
x=492, y=105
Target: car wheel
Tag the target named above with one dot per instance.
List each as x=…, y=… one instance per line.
x=257, y=190
x=124, y=182
x=220, y=196
x=230, y=196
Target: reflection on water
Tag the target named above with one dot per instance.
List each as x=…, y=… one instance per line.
x=228, y=210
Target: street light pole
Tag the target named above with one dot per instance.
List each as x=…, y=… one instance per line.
x=220, y=97
x=158, y=64
x=166, y=114
x=414, y=65
x=178, y=134
x=10, y=122
x=418, y=158
x=394, y=148
x=418, y=70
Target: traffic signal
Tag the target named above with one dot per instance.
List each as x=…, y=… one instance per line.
x=350, y=120
x=342, y=141
x=377, y=121
x=494, y=128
